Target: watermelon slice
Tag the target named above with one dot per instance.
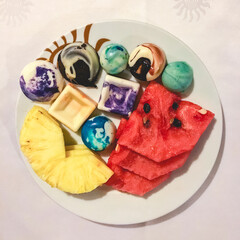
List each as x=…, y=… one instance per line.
x=121, y=127
x=138, y=164
x=126, y=181
x=163, y=126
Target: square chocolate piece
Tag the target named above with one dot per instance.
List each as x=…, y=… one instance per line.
x=118, y=95
x=72, y=107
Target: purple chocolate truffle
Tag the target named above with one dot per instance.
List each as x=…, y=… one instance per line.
x=41, y=81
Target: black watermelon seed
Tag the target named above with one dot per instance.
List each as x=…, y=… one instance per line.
x=175, y=106
x=177, y=123
x=147, y=124
x=146, y=108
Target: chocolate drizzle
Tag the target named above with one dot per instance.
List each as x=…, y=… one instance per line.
x=54, y=53
x=140, y=69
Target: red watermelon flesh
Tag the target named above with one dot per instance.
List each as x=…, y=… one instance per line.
x=160, y=101
x=121, y=127
x=145, y=167
x=126, y=181
x=152, y=134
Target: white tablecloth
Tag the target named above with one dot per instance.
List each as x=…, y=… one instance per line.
x=209, y=27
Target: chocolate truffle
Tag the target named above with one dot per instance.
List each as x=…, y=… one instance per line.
x=114, y=58
x=41, y=81
x=177, y=76
x=98, y=133
x=79, y=64
x=118, y=95
x=147, y=62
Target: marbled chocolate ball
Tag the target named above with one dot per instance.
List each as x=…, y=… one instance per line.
x=79, y=64
x=114, y=58
x=41, y=81
x=98, y=133
x=147, y=62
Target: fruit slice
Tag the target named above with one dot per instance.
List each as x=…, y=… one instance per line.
x=42, y=142
x=145, y=167
x=163, y=126
x=76, y=147
x=72, y=153
x=126, y=181
x=78, y=150
x=78, y=174
x=41, y=137
x=81, y=150
x=121, y=127
x=45, y=113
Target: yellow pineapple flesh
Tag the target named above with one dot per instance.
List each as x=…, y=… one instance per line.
x=76, y=150
x=41, y=137
x=74, y=169
x=76, y=147
x=78, y=174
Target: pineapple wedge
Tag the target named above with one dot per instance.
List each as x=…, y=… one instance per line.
x=91, y=166
x=78, y=174
x=77, y=150
x=41, y=137
x=75, y=169
x=76, y=147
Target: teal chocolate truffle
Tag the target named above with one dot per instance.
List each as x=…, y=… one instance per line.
x=177, y=76
x=114, y=58
x=98, y=133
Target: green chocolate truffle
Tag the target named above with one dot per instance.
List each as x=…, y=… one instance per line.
x=177, y=76
x=114, y=58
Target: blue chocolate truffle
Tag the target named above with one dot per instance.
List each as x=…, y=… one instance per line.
x=98, y=133
x=177, y=76
x=114, y=58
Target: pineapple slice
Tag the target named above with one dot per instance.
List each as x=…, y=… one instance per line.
x=41, y=137
x=76, y=150
x=93, y=170
x=80, y=173
x=72, y=153
x=76, y=147
x=45, y=113
x=75, y=170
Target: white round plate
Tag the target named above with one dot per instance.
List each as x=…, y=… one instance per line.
x=105, y=205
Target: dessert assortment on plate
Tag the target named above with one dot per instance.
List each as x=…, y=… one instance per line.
x=152, y=140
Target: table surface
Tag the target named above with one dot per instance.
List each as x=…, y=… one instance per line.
x=211, y=28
